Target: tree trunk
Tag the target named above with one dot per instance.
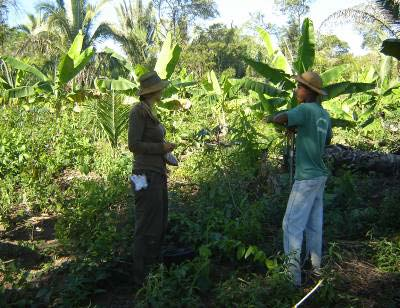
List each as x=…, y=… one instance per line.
x=343, y=156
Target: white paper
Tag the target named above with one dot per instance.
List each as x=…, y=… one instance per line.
x=139, y=181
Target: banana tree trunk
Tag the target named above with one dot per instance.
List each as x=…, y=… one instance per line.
x=343, y=156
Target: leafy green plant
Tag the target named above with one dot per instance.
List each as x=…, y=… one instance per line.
x=69, y=66
x=387, y=254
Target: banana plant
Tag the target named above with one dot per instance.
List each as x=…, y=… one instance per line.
x=69, y=66
x=280, y=81
x=279, y=78
x=113, y=114
x=12, y=75
x=364, y=108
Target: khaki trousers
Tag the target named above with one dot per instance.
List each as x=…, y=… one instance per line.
x=151, y=216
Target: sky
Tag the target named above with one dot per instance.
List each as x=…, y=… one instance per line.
x=237, y=12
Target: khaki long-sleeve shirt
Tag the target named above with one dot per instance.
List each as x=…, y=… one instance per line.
x=146, y=139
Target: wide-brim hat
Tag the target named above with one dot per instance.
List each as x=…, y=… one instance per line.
x=150, y=83
x=313, y=81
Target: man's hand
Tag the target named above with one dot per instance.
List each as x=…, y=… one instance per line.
x=169, y=147
x=279, y=118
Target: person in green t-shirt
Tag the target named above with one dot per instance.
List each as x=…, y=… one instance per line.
x=304, y=210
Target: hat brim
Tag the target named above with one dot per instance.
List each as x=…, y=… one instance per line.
x=154, y=88
x=315, y=89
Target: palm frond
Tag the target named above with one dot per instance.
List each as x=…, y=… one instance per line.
x=364, y=15
x=112, y=115
x=391, y=9
x=103, y=31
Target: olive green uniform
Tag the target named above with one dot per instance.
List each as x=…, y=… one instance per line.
x=146, y=139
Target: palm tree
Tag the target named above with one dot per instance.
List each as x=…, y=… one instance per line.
x=368, y=15
x=68, y=20
x=381, y=15
x=5, y=6
x=391, y=9
x=39, y=38
x=136, y=30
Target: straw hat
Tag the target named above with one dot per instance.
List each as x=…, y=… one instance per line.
x=150, y=83
x=313, y=81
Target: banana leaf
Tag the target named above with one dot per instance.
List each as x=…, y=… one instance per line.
x=19, y=92
x=138, y=71
x=212, y=79
x=342, y=123
x=3, y=81
x=347, y=87
x=272, y=74
x=261, y=88
x=306, y=53
x=168, y=58
x=271, y=105
x=333, y=74
x=280, y=62
x=390, y=90
x=45, y=86
x=19, y=65
x=119, y=84
x=276, y=76
x=74, y=61
x=267, y=41
x=182, y=85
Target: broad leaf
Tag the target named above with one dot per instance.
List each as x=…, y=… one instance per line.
x=276, y=76
x=347, y=87
x=139, y=70
x=176, y=53
x=74, y=61
x=76, y=47
x=175, y=103
x=261, y=88
x=168, y=58
x=19, y=65
x=212, y=79
x=280, y=62
x=333, y=74
x=119, y=84
x=342, y=123
x=19, y=92
x=267, y=41
x=306, y=53
x=271, y=105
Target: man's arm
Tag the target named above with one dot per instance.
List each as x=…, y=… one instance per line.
x=280, y=118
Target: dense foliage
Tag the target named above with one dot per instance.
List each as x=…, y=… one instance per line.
x=66, y=207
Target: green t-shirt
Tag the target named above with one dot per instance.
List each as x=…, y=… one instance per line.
x=313, y=128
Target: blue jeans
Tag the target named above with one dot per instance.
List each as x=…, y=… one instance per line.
x=304, y=212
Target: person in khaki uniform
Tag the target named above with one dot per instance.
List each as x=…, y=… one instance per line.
x=146, y=140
